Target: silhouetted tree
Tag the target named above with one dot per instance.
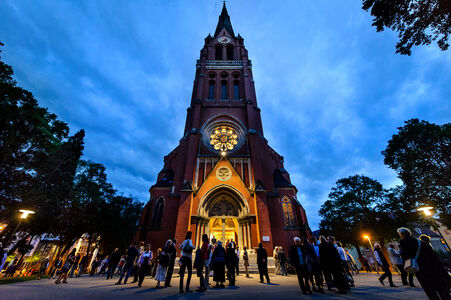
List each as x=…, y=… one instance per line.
x=417, y=22
x=421, y=155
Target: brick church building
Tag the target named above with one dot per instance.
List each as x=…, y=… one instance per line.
x=223, y=179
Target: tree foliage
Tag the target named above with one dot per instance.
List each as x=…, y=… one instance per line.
x=359, y=205
x=417, y=22
x=41, y=169
x=421, y=155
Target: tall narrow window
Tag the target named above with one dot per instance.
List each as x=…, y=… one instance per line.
x=157, y=213
x=229, y=52
x=218, y=52
x=211, y=90
x=224, y=90
x=236, y=90
x=288, y=214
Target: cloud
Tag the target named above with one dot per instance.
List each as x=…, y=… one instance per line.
x=331, y=89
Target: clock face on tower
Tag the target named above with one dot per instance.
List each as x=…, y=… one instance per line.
x=224, y=39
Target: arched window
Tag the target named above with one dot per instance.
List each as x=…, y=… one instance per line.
x=157, y=213
x=223, y=90
x=229, y=52
x=288, y=214
x=211, y=90
x=236, y=90
x=218, y=52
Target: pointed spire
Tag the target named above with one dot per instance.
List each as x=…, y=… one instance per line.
x=224, y=22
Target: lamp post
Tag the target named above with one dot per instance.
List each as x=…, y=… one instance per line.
x=368, y=238
x=427, y=210
x=23, y=216
x=372, y=251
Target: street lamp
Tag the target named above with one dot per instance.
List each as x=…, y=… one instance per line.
x=23, y=216
x=427, y=210
x=368, y=238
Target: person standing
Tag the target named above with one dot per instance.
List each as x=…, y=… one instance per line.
x=298, y=260
x=70, y=260
x=313, y=264
x=186, y=260
x=81, y=265
x=42, y=268
x=208, y=264
x=246, y=261
x=135, y=269
x=218, y=261
x=276, y=260
x=344, y=262
x=432, y=274
x=231, y=263
x=330, y=262
x=143, y=264
x=172, y=251
x=95, y=264
x=237, y=266
x=202, y=260
x=163, y=260
x=113, y=262
x=262, y=263
x=74, y=266
x=396, y=260
x=282, y=261
x=382, y=261
x=131, y=255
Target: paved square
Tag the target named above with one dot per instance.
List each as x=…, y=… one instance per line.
x=367, y=287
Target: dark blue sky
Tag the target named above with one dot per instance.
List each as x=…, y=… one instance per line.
x=331, y=90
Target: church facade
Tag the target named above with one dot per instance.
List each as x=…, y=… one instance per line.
x=223, y=179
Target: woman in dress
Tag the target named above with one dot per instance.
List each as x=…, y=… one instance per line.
x=144, y=264
x=218, y=260
x=163, y=263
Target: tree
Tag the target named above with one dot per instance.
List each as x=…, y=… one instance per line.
x=417, y=22
x=360, y=205
x=421, y=155
x=37, y=158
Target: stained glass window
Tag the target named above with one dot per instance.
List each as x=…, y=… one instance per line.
x=288, y=214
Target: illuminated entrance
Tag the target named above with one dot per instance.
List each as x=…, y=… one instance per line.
x=224, y=229
x=224, y=214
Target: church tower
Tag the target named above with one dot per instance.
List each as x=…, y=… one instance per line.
x=223, y=179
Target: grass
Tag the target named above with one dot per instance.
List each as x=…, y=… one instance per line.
x=9, y=280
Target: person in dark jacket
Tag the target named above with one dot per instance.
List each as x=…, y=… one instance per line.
x=282, y=261
x=262, y=263
x=131, y=254
x=113, y=261
x=382, y=261
x=331, y=265
x=218, y=260
x=432, y=274
x=173, y=252
x=231, y=263
x=298, y=260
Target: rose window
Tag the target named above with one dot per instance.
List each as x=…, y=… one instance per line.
x=223, y=138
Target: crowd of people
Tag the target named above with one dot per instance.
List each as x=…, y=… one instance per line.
x=316, y=263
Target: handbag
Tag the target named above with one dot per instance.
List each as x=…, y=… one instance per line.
x=411, y=265
x=164, y=259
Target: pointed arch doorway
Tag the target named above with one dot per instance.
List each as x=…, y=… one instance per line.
x=224, y=214
x=224, y=229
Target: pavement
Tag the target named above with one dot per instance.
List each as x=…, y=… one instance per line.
x=281, y=287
